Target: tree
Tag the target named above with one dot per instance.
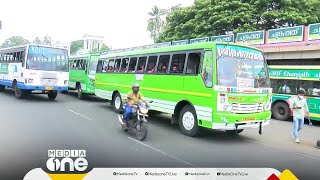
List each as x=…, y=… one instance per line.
x=37, y=41
x=14, y=41
x=155, y=23
x=104, y=48
x=271, y=14
x=47, y=41
x=76, y=46
x=219, y=17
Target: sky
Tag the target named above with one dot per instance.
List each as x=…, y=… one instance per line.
x=123, y=23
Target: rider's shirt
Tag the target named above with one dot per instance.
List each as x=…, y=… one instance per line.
x=135, y=98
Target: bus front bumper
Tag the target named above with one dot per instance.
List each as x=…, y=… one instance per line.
x=42, y=88
x=240, y=125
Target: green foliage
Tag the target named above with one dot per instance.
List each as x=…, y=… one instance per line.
x=76, y=46
x=45, y=41
x=156, y=23
x=219, y=17
x=104, y=48
x=14, y=41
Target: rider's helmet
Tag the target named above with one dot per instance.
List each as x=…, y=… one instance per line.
x=135, y=87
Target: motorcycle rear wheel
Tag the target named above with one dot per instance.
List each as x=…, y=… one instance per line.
x=141, y=131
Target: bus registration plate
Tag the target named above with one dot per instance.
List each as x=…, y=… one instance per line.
x=48, y=88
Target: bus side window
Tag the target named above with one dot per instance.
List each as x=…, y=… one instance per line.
x=163, y=63
x=109, y=65
x=84, y=67
x=132, y=64
x=117, y=65
x=152, y=63
x=77, y=64
x=99, y=67
x=177, y=63
x=141, y=64
x=193, y=63
x=124, y=65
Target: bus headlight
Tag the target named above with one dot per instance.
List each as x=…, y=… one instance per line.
x=91, y=82
x=268, y=104
x=222, y=100
x=65, y=82
x=227, y=107
x=29, y=81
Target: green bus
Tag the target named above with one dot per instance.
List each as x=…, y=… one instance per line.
x=287, y=80
x=210, y=85
x=82, y=73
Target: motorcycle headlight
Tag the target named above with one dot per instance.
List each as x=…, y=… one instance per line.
x=144, y=111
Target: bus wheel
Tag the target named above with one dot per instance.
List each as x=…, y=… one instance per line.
x=79, y=92
x=52, y=95
x=234, y=132
x=188, y=122
x=117, y=103
x=281, y=111
x=19, y=93
x=2, y=88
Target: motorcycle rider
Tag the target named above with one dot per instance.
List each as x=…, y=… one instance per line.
x=132, y=98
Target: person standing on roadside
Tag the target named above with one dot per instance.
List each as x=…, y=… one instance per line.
x=299, y=106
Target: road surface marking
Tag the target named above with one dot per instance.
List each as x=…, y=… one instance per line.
x=80, y=115
x=162, y=152
x=283, y=150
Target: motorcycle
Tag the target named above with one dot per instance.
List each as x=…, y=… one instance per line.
x=137, y=123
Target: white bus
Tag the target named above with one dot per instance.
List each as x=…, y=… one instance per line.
x=34, y=69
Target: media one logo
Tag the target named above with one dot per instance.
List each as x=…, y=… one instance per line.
x=73, y=160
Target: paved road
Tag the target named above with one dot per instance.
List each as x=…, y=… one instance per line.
x=32, y=126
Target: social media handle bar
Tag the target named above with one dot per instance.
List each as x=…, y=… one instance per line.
x=168, y=173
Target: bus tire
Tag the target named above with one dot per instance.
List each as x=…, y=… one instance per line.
x=52, y=95
x=117, y=103
x=2, y=88
x=188, y=121
x=80, y=94
x=19, y=93
x=281, y=111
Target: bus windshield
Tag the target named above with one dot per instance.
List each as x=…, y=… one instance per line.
x=241, y=67
x=47, y=59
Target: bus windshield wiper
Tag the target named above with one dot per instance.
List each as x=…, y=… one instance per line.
x=44, y=56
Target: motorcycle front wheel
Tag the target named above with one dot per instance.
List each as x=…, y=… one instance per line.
x=141, y=131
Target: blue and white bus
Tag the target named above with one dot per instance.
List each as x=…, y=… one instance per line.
x=34, y=69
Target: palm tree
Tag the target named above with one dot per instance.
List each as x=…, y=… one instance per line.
x=155, y=23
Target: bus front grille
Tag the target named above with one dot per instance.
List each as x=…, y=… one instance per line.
x=246, y=108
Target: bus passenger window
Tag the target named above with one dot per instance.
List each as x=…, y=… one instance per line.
x=151, y=66
x=193, y=63
x=133, y=64
x=141, y=64
x=117, y=65
x=177, y=63
x=316, y=89
x=100, y=66
x=124, y=65
x=109, y=66
x=84, y=64
x=163, y=63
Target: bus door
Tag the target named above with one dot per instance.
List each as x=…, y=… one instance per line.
x=313, y=94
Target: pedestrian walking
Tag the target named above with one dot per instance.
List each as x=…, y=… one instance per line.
x=300, y=108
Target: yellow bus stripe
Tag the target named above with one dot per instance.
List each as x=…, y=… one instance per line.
x=315, y=115
x=160, y=90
